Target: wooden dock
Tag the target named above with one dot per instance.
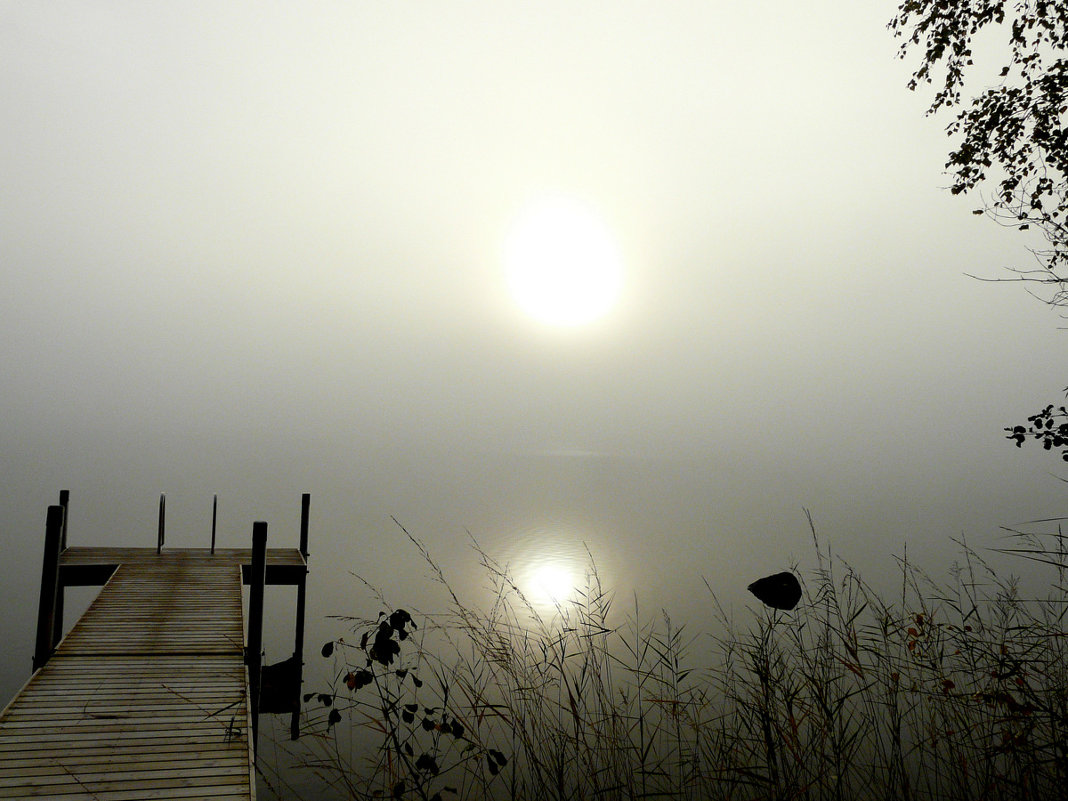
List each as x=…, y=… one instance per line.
x=149, y=695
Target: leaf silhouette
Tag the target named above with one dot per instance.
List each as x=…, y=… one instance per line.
x=780, y=591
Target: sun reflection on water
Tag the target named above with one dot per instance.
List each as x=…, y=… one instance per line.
x=549, y=563
x=551, y=582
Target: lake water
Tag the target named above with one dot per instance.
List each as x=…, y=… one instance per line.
x=656, y=528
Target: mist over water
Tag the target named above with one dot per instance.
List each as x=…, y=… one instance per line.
x=258, y=252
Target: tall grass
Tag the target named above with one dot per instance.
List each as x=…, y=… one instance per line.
x=951, y=690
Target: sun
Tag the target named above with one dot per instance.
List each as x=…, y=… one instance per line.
x=562, y=262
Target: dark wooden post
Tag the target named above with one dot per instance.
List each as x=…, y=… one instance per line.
x=162, y=518
x=64, y=501
x=254, y=645
x=46, y=612
x=214, y=516
x=305, y=513
x=57, y=626
x=298, y=644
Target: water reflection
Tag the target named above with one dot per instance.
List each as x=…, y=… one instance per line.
x=551, y=582
x=549, y=562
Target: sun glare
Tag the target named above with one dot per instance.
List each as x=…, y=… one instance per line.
x=551, y=583
x=563, y=265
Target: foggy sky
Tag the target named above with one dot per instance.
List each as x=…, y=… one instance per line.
x=255, y=251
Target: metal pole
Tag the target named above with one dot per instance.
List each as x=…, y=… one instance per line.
x=162, y=517
x=214, y=516
x=46, y=610
x=298, y=640
x=255, y=623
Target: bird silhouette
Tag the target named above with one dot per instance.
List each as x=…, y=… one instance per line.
x=781, y=591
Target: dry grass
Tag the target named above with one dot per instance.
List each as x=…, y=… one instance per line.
x=952, y=690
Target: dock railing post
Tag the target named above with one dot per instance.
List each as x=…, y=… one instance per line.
x=214, y=517
x=255, y=623
x=57, y=626
x=64, y=501
x=298, y=639
x=305, y=513
x=162, y=519
x=46, y=612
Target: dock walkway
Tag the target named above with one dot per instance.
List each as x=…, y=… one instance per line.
x=147, y=697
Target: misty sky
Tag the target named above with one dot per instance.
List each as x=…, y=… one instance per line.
x=255, y=250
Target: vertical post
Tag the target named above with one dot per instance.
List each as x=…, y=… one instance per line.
x=64, y=501
x=57, y=625
x=162, y=518
x=298, y=639
x=46, y=611
x=305, y=514
x=214, y=516
x=255, y=623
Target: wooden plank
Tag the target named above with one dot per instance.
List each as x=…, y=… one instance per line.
x=123, y=710
x=82, y=555
x=170, y=604
x=120, y=760
x=164, y=794
x=66, y=774
x=96, y=771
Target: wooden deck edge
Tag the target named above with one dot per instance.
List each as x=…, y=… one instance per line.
x=59, y=644
x=248, y=700
x=83, y=566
